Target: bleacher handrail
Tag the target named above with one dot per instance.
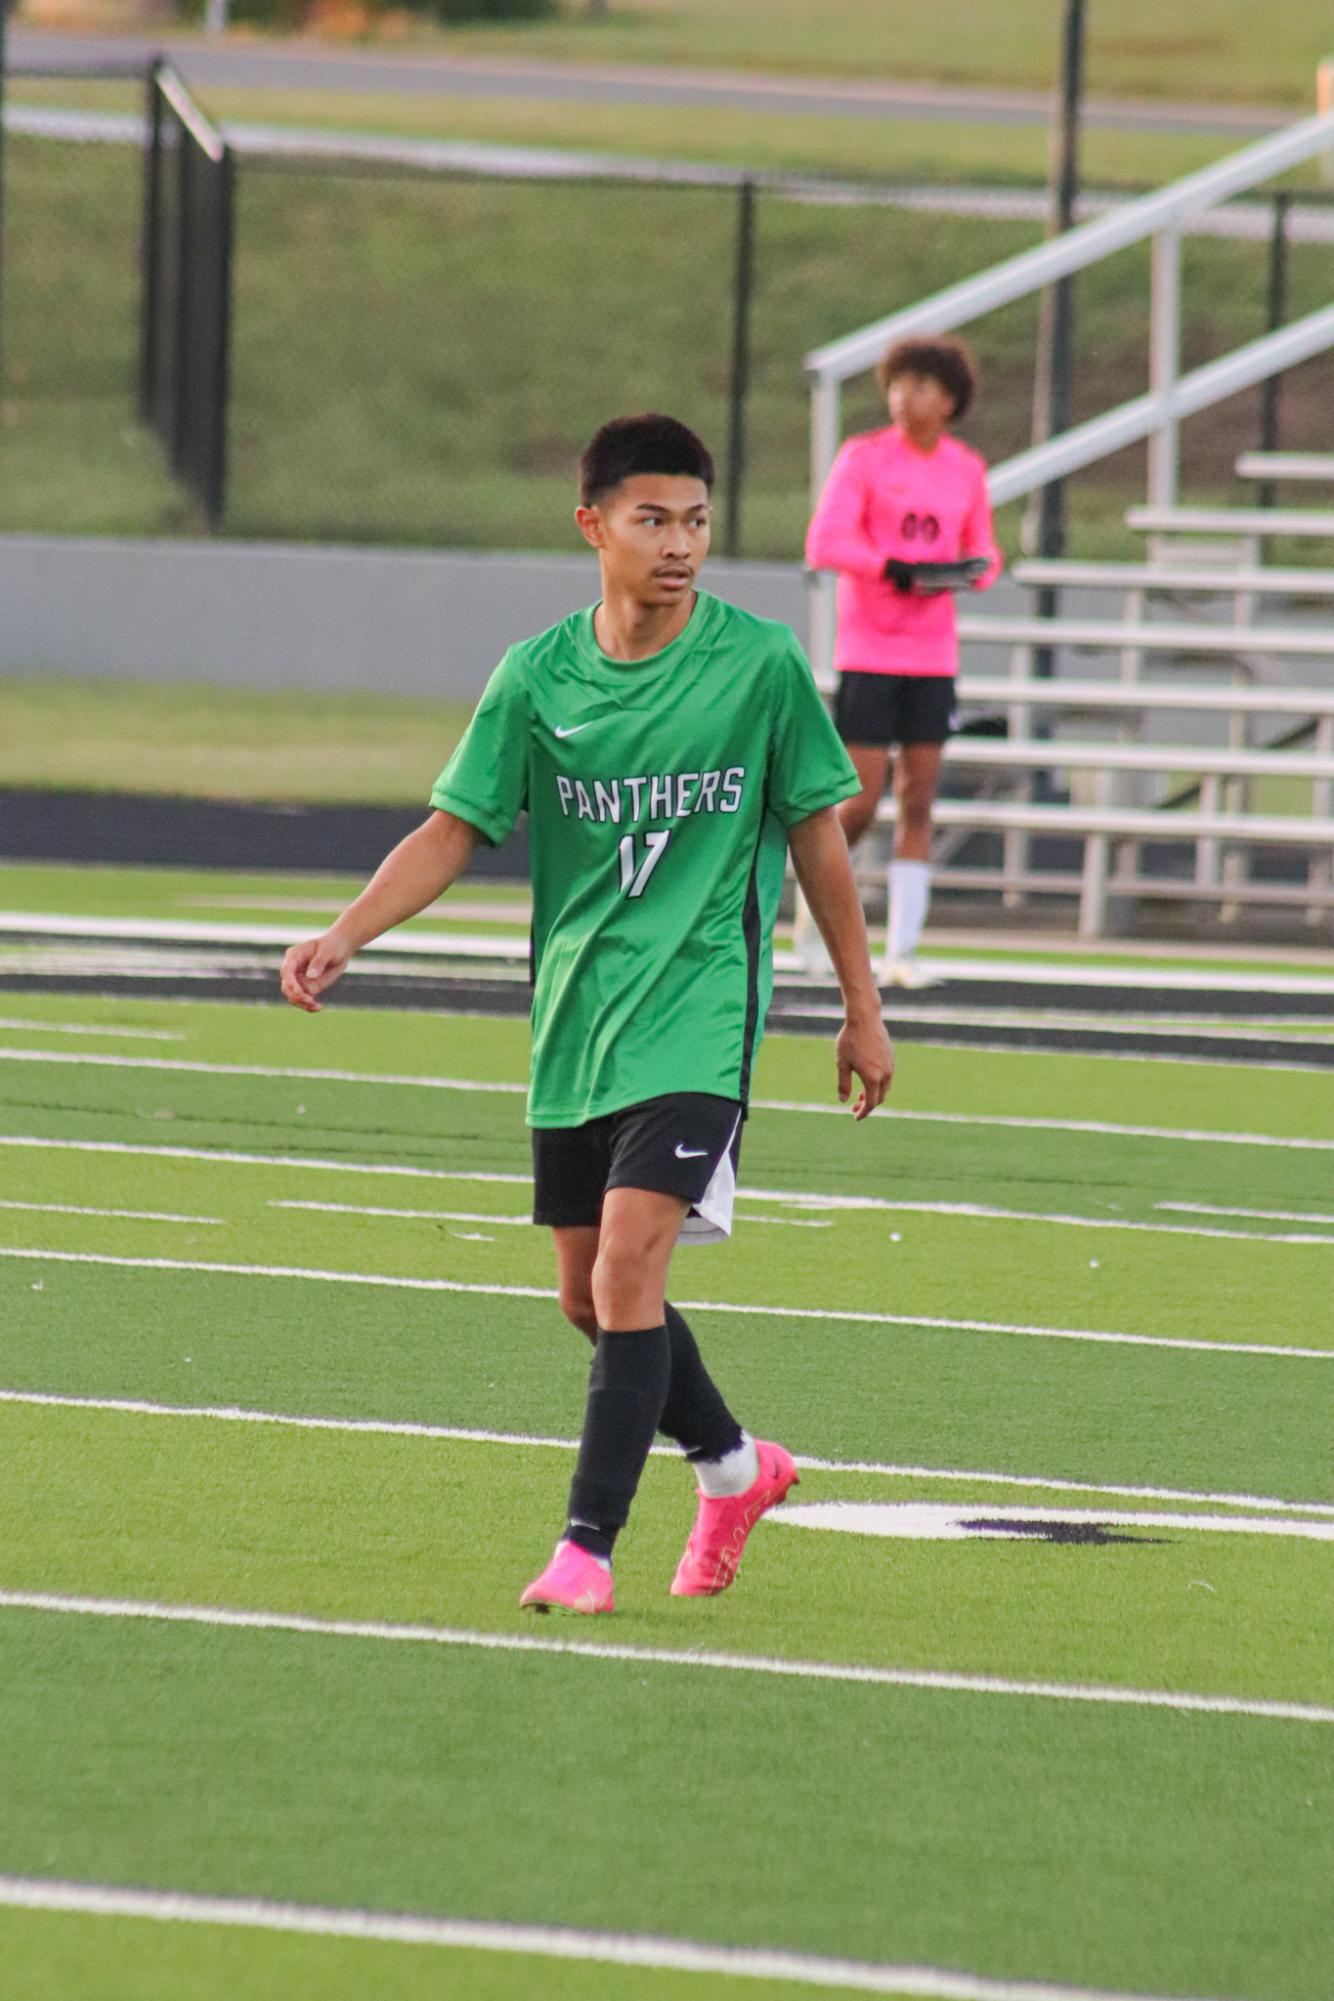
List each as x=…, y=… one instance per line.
x=1033, y=270
x=1160, y=410
x=1164, y=577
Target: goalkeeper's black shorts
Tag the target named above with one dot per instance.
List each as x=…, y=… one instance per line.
x=878, y=710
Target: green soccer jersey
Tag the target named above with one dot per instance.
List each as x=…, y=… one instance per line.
x=659, y=793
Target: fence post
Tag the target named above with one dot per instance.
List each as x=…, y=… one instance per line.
x=219, y=333
x=150, y=253
x=183, y=313
x=743, y=280
x=1276, y=312
x=4, y=57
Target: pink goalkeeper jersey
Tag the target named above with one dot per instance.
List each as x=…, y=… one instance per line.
x=884, y=498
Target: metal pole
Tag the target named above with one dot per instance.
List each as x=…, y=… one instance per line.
x=150, y=256
x=1052, y=410
x=826, y=420
x=1276, y=312
x=4, y=9
x=223, y=212
x=1165, y=361
x=742, y=286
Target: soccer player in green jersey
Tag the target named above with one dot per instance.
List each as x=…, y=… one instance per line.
x=669, y=750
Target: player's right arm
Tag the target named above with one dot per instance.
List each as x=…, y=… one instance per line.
x=837, y=538
x=416, y=872
x=477, y=797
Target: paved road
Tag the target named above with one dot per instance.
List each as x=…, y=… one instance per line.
x=300, y=66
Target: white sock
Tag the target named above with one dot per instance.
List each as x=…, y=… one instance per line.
x=909, y=895
x=732, y=1474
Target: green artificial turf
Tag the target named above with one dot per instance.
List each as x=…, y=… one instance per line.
x=134, y=1961
x=373, y=1775
x=1105, y=1846
x=436, y=1532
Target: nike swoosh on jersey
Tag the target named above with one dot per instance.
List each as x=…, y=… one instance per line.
x=574, y=731
x=691, y=1152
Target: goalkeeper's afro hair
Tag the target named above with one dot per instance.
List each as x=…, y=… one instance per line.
x=647, y=443
x=943, y=358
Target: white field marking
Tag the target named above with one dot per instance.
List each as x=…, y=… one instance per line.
x=463, y=1216
x=938, y=1680
x=404, y=1215
x=231, y=1159
x=405, y=1428
x=1259, y=1215
x=388, y=1078
x=175, y=1064
x=127, y=1215
x=946, y=1521
x=737, y=1962
x=792, y=1198
x=955, y=1045
x=494, y=911
x=79, y=1028
x=983, y=1212
x=404, y=1284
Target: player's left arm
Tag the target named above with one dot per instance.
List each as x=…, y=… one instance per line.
x=978, y=536
x=824, y=870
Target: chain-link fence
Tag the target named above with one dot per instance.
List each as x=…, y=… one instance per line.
x=423, y=337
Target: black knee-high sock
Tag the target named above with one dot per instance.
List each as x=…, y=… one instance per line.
x=627, y=1389
x=695, y=1413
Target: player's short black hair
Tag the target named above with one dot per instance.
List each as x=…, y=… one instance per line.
x=945, y=359
x=647, y=443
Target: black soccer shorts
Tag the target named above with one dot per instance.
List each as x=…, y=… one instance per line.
x=685, y=1144
x=883, y=709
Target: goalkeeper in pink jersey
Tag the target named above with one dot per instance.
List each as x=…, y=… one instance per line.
x=905, y=521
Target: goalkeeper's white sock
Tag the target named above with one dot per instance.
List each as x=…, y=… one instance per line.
x=909, y=895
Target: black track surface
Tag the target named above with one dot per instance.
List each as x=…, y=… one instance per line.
x=145, y=830
x=794, y=1012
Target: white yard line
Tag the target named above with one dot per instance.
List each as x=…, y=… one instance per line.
x=467, y=1216
x=128, y=1215
x=540, y=1941
x=953, y=1521
x=1259, y=1215
x=35, y=1027
x=387, y=1079
x=764, y=1312
x=936, y=1680
x=451, y=1433
x=272, y=1070
x=984, y=1212
x=404, y=1215
x=228, y=1158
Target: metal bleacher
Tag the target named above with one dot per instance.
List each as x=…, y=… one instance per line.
x=1203, y=736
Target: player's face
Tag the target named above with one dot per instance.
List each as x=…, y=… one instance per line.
x=919, y=404
x=652, y=534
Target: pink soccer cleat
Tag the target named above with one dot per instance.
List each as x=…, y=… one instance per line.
x=718, y=1538
x=573, y=1581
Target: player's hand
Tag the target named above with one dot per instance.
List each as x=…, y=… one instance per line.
x=310, y=968
x=864, y=1050
x=899, y=573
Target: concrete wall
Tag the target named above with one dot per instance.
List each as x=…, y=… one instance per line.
x=274, y=615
